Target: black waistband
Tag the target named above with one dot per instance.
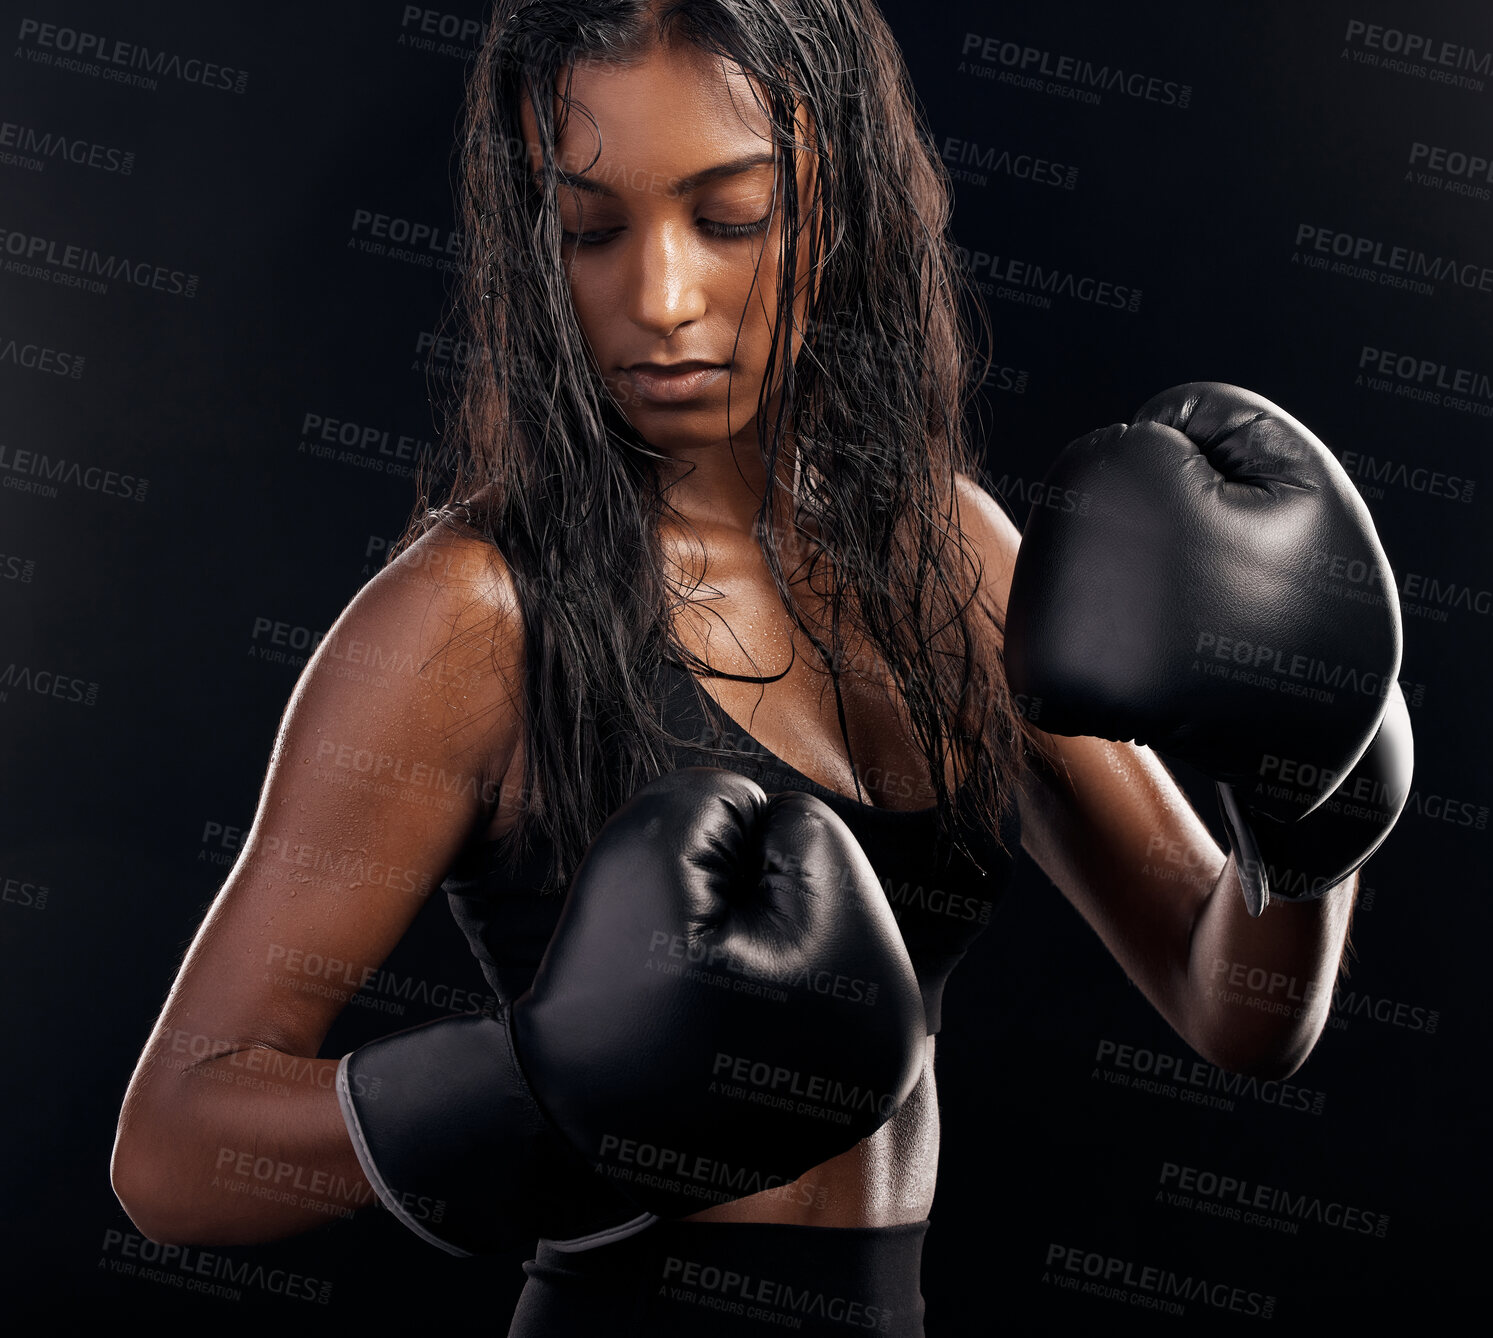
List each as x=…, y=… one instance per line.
x=731, y=1278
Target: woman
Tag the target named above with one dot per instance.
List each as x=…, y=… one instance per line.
x=721, y=444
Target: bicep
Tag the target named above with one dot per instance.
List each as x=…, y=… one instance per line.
x=1110, y=827
x=384, y=766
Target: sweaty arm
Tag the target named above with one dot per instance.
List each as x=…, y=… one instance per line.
x=229, y=1073
x=1107, y=823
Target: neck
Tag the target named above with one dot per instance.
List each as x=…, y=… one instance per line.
x=722, y=484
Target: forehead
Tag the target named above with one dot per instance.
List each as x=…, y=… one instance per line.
x=670, y=112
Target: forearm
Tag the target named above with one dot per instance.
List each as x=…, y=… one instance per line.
x=1259, y=989
x=243, y=1147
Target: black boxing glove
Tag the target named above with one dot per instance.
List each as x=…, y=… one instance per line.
x=1223, y=597
x=674, y=1050
x=1303, y=860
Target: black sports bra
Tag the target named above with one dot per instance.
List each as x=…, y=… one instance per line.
x=941, y=902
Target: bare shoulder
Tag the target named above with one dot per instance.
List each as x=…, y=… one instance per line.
x=990, y=532
x=458, y=576
x=440, y=632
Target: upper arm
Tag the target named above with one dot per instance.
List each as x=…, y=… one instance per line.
x=385, y=764
x=1106, y=821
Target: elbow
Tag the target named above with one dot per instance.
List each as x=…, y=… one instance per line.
x=1269, y=1057
x=1266, y=1068
x=136, y=1194
x=143, y=1193
x=1248, y=1038
x=148, y=1181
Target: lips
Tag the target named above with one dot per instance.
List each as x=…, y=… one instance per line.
x=674, y=382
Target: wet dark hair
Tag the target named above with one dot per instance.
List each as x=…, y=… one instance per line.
x=548, y=470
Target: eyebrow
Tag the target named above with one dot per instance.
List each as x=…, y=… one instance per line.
x=685, y=185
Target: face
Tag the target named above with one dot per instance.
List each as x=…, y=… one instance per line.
x=672, y=238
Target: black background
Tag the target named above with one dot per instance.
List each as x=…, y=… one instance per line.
x=167, y=603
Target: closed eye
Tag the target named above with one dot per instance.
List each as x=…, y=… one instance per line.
x=729, y=230
x=723, y=231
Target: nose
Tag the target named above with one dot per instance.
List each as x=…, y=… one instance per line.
x=666, y=288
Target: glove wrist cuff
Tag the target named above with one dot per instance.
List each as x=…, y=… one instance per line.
x=455, y=1145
